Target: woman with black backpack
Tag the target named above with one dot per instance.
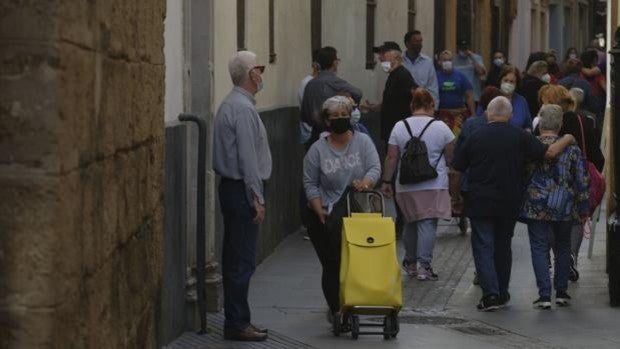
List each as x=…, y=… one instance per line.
x=424, y=147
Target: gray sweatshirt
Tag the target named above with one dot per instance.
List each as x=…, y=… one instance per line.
x=327, y=172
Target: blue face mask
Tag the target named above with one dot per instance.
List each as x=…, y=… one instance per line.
x=356, y=115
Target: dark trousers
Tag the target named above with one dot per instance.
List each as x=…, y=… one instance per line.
x=239, y=252
x=491, y=241
x=327, y=246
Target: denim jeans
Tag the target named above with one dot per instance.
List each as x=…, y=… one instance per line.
x=539, y=245
x=576, y=239
x=419, y=240
x=239, y=252
x=491, y=241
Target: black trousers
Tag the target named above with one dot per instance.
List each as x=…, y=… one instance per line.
x=327, y=246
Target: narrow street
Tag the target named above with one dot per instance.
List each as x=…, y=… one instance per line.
x=286, y=297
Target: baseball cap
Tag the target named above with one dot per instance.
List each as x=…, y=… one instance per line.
x=463, y=43
x=387, y=46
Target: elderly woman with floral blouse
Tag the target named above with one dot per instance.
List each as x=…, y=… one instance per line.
x=555, y=197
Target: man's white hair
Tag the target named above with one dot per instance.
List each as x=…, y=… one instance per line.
x=550, y=117
x=577, y=95
x=499, y=106
x=538, y=68
x=239, y=66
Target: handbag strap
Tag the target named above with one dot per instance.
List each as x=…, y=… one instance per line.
x=583, y=138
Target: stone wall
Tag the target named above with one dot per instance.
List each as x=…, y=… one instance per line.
x=81, y=173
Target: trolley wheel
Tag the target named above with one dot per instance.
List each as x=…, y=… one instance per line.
x=336, y=324
x=355, y=326
x=391, y=327
x=463, y=224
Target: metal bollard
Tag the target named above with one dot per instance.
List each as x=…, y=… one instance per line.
x=200, y=218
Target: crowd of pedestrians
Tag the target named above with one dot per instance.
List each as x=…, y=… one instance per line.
x=504, y=146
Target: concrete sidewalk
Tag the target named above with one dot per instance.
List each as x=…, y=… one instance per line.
x=287, y=297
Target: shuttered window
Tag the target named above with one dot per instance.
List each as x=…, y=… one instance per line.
x=371, y=6
x=241, y=25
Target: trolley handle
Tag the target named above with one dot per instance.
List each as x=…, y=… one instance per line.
x=352, y=191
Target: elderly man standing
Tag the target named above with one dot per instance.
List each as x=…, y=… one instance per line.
x=419, y=65
x=495, y=156
x=241, y=156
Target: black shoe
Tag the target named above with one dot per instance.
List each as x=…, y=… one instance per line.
x=542, y=303
x=247, y=335
x=562, y=298
x=504, y=299
x=573, y=274
x=490, y=302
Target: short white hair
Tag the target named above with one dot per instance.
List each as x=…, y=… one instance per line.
x=577, y=94
x=499, y=106
x=550, y=117
x=239, y=66
x=334, y=104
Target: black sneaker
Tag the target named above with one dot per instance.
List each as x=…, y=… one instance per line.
x=504, y=299
x=562, y=298
x=490, y=302
x=573, y=274
x=476, y=279
x=543, y=303
x=410, y=268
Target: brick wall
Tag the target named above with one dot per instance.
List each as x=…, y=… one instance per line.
x=81, y=173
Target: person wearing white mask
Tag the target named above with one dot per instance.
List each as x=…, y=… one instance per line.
x=499, y=60
x=536, y=77
x=397, y=92
x=456, y=100
x=471, y=65
x=509, y=80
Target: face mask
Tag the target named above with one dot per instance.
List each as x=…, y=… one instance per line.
x=446, y=65
x=340, y=125
x=356, y=115
x=507, y=88
x=546, y=78
x=572, y=55
x=463, y=54
x=386, y=66
x=498, y=62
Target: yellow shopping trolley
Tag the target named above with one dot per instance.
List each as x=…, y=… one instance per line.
x=370, y=279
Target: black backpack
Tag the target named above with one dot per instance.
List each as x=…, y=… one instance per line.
x=414, y=164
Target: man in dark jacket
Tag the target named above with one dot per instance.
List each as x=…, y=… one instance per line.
x=397, y=93
x=535, y=78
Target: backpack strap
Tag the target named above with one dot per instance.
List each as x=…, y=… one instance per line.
x=408, y=128
x=425, y=127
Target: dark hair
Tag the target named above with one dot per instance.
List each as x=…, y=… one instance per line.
x=588, y=58
x=315, y=55
x=568, y=50
x=573, y=66
x=421, y=99
x=487, y=95
x=500, y=51
x=326, y=57
x=507, y=69
x=535, y=56
x=410, y=34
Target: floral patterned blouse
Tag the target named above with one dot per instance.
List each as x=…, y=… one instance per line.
x=557, y=189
